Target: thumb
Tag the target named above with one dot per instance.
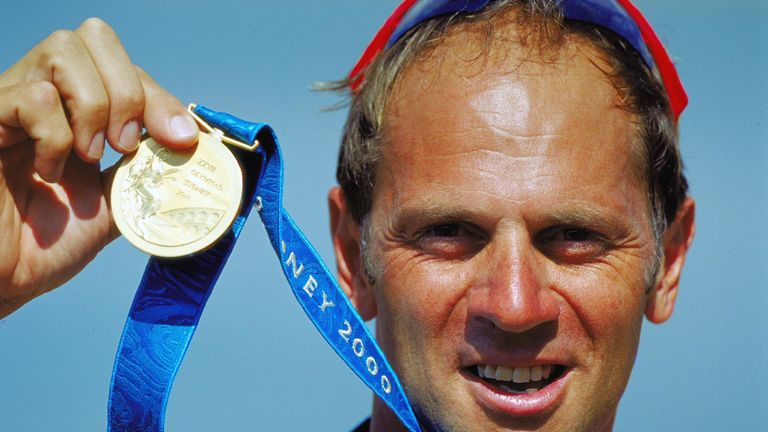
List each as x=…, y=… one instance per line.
x=165, y=118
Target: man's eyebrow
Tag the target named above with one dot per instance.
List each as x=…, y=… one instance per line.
x=434, y=212
x=588, y=215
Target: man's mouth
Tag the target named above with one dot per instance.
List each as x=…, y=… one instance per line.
x=518, y=380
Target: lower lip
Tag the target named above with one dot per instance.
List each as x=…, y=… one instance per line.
x=518, y=405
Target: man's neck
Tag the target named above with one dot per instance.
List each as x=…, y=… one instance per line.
x=384, y=420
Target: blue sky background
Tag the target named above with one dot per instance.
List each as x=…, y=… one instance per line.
x=256, y=363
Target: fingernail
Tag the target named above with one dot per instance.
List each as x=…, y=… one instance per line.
x=96, y=149
x=129, y=136
x=183, y=127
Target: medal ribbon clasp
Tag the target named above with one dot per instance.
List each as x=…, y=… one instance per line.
x=219, y=134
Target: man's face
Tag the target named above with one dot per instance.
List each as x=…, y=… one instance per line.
x=510, y=239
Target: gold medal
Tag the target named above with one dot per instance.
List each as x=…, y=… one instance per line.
x=172, y=203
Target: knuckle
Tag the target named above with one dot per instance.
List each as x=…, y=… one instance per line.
x=61, y=39
x=140, y=71
x=128, y=100
x=42, y=94
x=91, y=107
x=58, y=47
x=95, y=26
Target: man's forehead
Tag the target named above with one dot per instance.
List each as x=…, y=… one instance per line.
x=506, y=81
x=524, y=85
x=538, y=112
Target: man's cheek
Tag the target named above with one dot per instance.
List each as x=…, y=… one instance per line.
x=607, y=308
x=415, y=281
x=611, y=290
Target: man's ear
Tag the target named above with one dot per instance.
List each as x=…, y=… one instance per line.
x=676, y=242
x=349, y=261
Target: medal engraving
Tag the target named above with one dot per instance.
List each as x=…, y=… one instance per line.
x=173, y=203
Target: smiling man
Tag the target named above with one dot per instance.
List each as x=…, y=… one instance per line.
x=511, y=199
x=511, y=205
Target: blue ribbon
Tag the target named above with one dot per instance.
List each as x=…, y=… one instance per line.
x=173, y=292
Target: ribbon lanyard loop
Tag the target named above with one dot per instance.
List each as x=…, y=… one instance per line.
x=172, y=295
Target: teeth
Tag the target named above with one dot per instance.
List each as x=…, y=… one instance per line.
x=522, y=375
x=536, y=373
x=504, y=373
x=490, y=371
x=513, y=391
x=517, y=375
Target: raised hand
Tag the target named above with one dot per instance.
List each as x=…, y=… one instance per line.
x=58, y=104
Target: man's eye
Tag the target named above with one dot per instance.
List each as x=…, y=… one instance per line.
x=450, y=240
x=575, y=235
x=446, y=230
x=571, y=244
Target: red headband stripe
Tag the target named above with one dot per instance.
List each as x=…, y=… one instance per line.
x=378, y=43
x=678, y=99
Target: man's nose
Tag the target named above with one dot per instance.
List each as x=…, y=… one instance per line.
x=513, y=291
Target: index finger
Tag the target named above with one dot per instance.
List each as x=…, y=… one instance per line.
x=126, y=95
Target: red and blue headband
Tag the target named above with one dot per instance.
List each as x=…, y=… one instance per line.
x=619, y=16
